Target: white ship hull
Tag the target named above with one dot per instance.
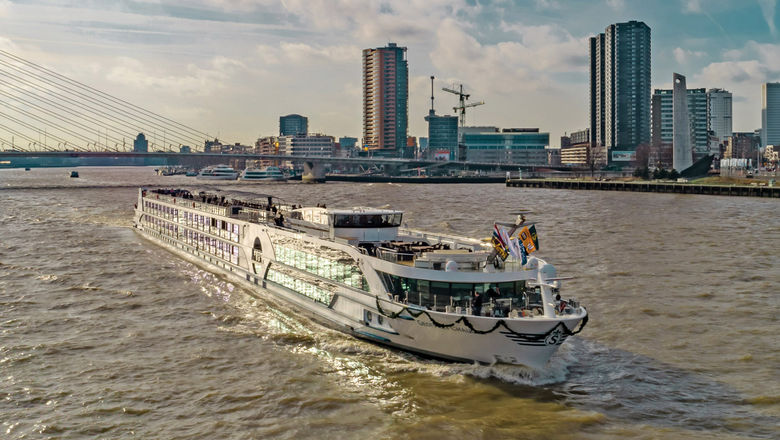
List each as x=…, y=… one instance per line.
x=364, y=308
x=225, y=177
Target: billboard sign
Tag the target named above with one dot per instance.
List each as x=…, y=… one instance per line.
x=623, y=156
x=441, y=155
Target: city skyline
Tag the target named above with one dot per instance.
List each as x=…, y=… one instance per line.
x=233, y=68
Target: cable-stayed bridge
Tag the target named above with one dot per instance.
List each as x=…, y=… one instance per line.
x=42, y=110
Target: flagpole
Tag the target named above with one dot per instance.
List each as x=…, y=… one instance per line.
x=492, y=257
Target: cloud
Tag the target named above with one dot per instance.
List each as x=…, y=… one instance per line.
x=304, y=54
x=683, y=56
x=616, y=4
x=194, y=80
x=547, y=4
x=754, y=63
x=741, y=72
x=508, y=65
x=5, y=8
x=692, y=6
x=372, y=21
x=768, y=10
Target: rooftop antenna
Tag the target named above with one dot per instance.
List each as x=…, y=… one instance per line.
x=432, y=93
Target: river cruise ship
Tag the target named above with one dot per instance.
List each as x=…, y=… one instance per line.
x=218, y=172
x=359, y=271
x=265, y=174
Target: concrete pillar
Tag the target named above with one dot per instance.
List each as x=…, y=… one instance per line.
x=682, y=155
x=313, y=172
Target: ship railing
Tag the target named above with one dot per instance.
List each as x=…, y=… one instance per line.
x=442, y=237
x=193, y=203
x=395, y=257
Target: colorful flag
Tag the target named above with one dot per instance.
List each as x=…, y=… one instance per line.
x=534, y=237
x=498, y=243
x=527, y=238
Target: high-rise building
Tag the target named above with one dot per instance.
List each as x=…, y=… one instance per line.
x=291, y=125
x=385, y=100
x=620, y=88
x=719, y=112
x=770, y=114
x=140, y=144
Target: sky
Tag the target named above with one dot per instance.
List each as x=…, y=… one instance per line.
x=230, y=68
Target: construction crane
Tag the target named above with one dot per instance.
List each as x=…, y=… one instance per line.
x=462, y=106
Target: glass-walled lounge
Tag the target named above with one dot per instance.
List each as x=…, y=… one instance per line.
x=319, y=260
x=437, y=294
x=308, y=287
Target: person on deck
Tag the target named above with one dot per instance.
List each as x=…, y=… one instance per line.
x=476, y=304
x=493, y=294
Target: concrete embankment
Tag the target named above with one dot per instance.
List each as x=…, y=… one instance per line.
x=659, y=187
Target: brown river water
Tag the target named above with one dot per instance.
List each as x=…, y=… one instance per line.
x=105, y=335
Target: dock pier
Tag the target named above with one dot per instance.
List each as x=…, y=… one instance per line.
x=657, y=187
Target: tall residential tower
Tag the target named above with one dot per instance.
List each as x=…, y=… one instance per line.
x=620, y=87
x=385, y=100
x=770, y=114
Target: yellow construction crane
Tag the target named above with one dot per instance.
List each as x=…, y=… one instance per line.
x=462, y=106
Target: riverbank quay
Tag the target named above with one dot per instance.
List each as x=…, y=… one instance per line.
x=658, y=187
x=413, y=179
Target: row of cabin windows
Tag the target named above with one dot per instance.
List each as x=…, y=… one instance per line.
x=213, y=246
x=213, y=226
x=340, y=271
x=437, y=294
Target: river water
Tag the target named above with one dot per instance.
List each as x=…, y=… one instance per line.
x=105, y=335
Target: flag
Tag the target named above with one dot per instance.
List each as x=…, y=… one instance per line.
x=515, y=249
x=498, y=244
x=509, y=244
x=527, y=239
x=523, y=255
x=534, y=237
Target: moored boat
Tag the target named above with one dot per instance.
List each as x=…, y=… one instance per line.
x=218, y=172
x=360, y=272
x=74, y=174
x=264, y=174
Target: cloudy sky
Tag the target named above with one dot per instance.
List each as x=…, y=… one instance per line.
x=232, y=67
